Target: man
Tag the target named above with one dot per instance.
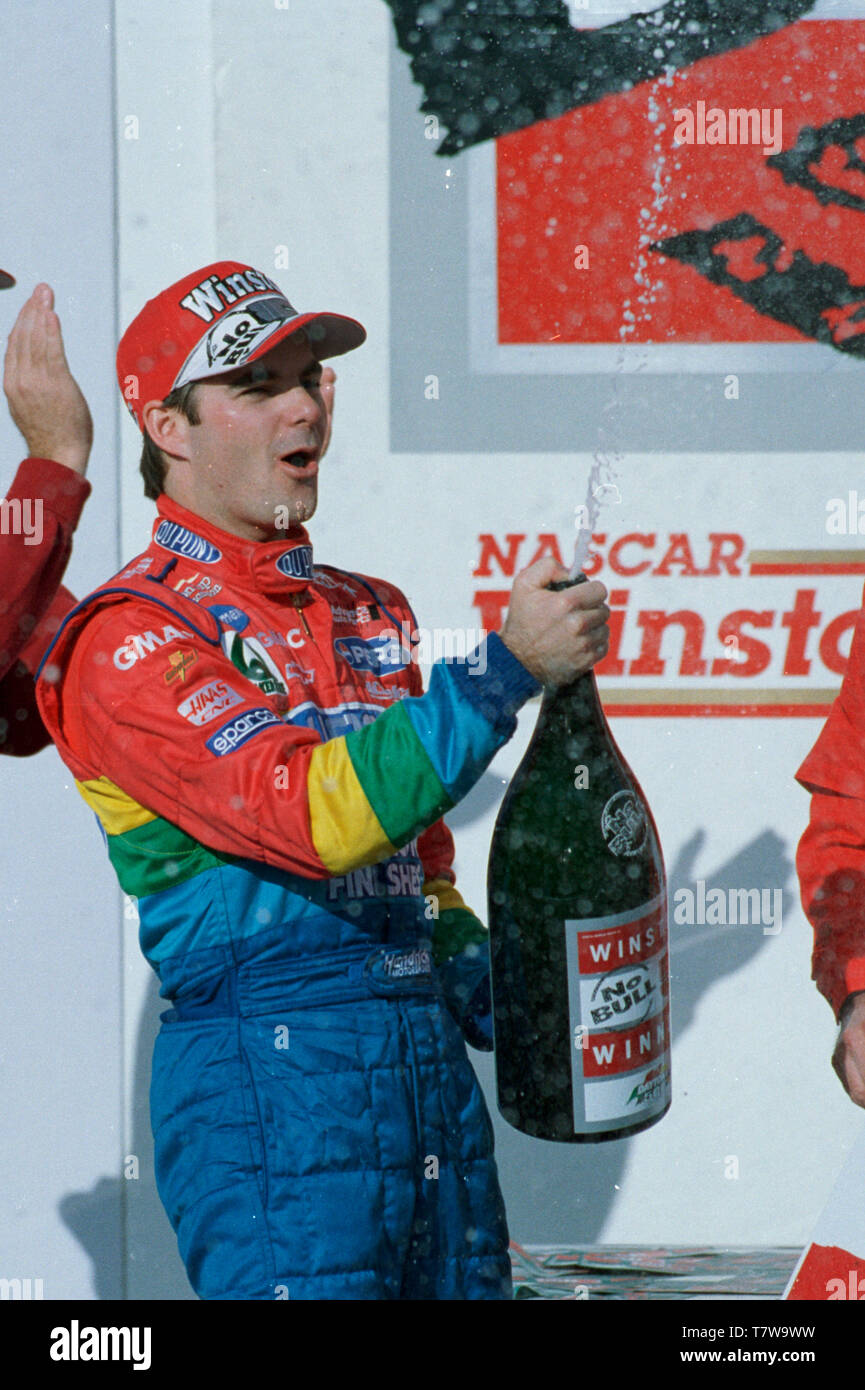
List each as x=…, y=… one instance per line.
x=253, y=736
x=40, y=512
x=831, y=866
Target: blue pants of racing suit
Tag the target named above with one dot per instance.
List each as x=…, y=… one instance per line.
x=320, y=1134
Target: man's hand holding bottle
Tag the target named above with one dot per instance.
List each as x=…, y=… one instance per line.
x=557, y=635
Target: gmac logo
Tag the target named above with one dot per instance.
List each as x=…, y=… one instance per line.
x=376, y=654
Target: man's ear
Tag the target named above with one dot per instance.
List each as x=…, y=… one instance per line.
x=168, y=428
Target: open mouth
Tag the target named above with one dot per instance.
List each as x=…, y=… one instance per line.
x=300, y=458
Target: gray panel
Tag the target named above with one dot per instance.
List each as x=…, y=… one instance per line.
x=815, y=408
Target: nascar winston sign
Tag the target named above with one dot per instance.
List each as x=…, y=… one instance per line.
x=703, y=622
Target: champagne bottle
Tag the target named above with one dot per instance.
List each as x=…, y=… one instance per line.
x=578, y=934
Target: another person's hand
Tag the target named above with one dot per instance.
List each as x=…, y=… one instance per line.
x=44, y=398
x=848, y=1059
x=328, y=387
x=556, y=635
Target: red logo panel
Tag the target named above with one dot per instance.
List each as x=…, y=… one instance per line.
x=608, y=178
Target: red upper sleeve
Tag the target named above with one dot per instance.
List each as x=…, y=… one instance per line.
x=40, y=513
x=21, y=729
x=831, y=854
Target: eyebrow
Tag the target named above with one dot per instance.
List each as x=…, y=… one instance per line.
x=254, y=374
x=258, y=373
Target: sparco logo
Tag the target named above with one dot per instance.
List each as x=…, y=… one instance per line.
x=237, y=731
x=186, y=543
x=296, y=563
x=623, y=823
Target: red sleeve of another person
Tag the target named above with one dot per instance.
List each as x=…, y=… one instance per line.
x=37, y=519
x=831, y=857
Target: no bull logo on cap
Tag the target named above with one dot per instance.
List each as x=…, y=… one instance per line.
x=236, y=335
x=231, y=340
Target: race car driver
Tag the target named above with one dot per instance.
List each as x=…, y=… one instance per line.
x=250, y=729
x=40, y=510
x=831, y=865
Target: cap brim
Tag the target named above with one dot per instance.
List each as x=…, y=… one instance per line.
x=6, y=280
x=329, y=335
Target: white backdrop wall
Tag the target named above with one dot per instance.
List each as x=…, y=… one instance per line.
x=266, y=132
x=61, y=1056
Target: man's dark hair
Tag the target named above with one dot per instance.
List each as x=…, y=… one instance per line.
x=152, y=458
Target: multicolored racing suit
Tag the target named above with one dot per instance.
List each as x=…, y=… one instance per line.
x=252, y=733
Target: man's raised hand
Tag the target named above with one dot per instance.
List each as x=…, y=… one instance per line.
x=44, y=398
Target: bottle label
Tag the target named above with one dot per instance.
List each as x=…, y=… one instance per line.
x=619, y=1016
x=623, y=824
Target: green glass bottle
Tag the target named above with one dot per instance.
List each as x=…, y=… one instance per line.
x=578, y=934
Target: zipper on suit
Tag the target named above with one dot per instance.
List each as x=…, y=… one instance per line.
x=295, y=598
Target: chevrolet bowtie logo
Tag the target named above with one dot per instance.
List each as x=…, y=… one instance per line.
x=179, y=664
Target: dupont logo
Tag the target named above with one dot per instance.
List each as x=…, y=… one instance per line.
x=238, y=731
x=376, y=654
x=207, y=701
x=183, y=542
x=296, y=563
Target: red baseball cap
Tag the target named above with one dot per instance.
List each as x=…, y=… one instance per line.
x=211, y=321
x=6, y=280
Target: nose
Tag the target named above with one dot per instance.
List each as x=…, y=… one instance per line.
x=301, y=405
